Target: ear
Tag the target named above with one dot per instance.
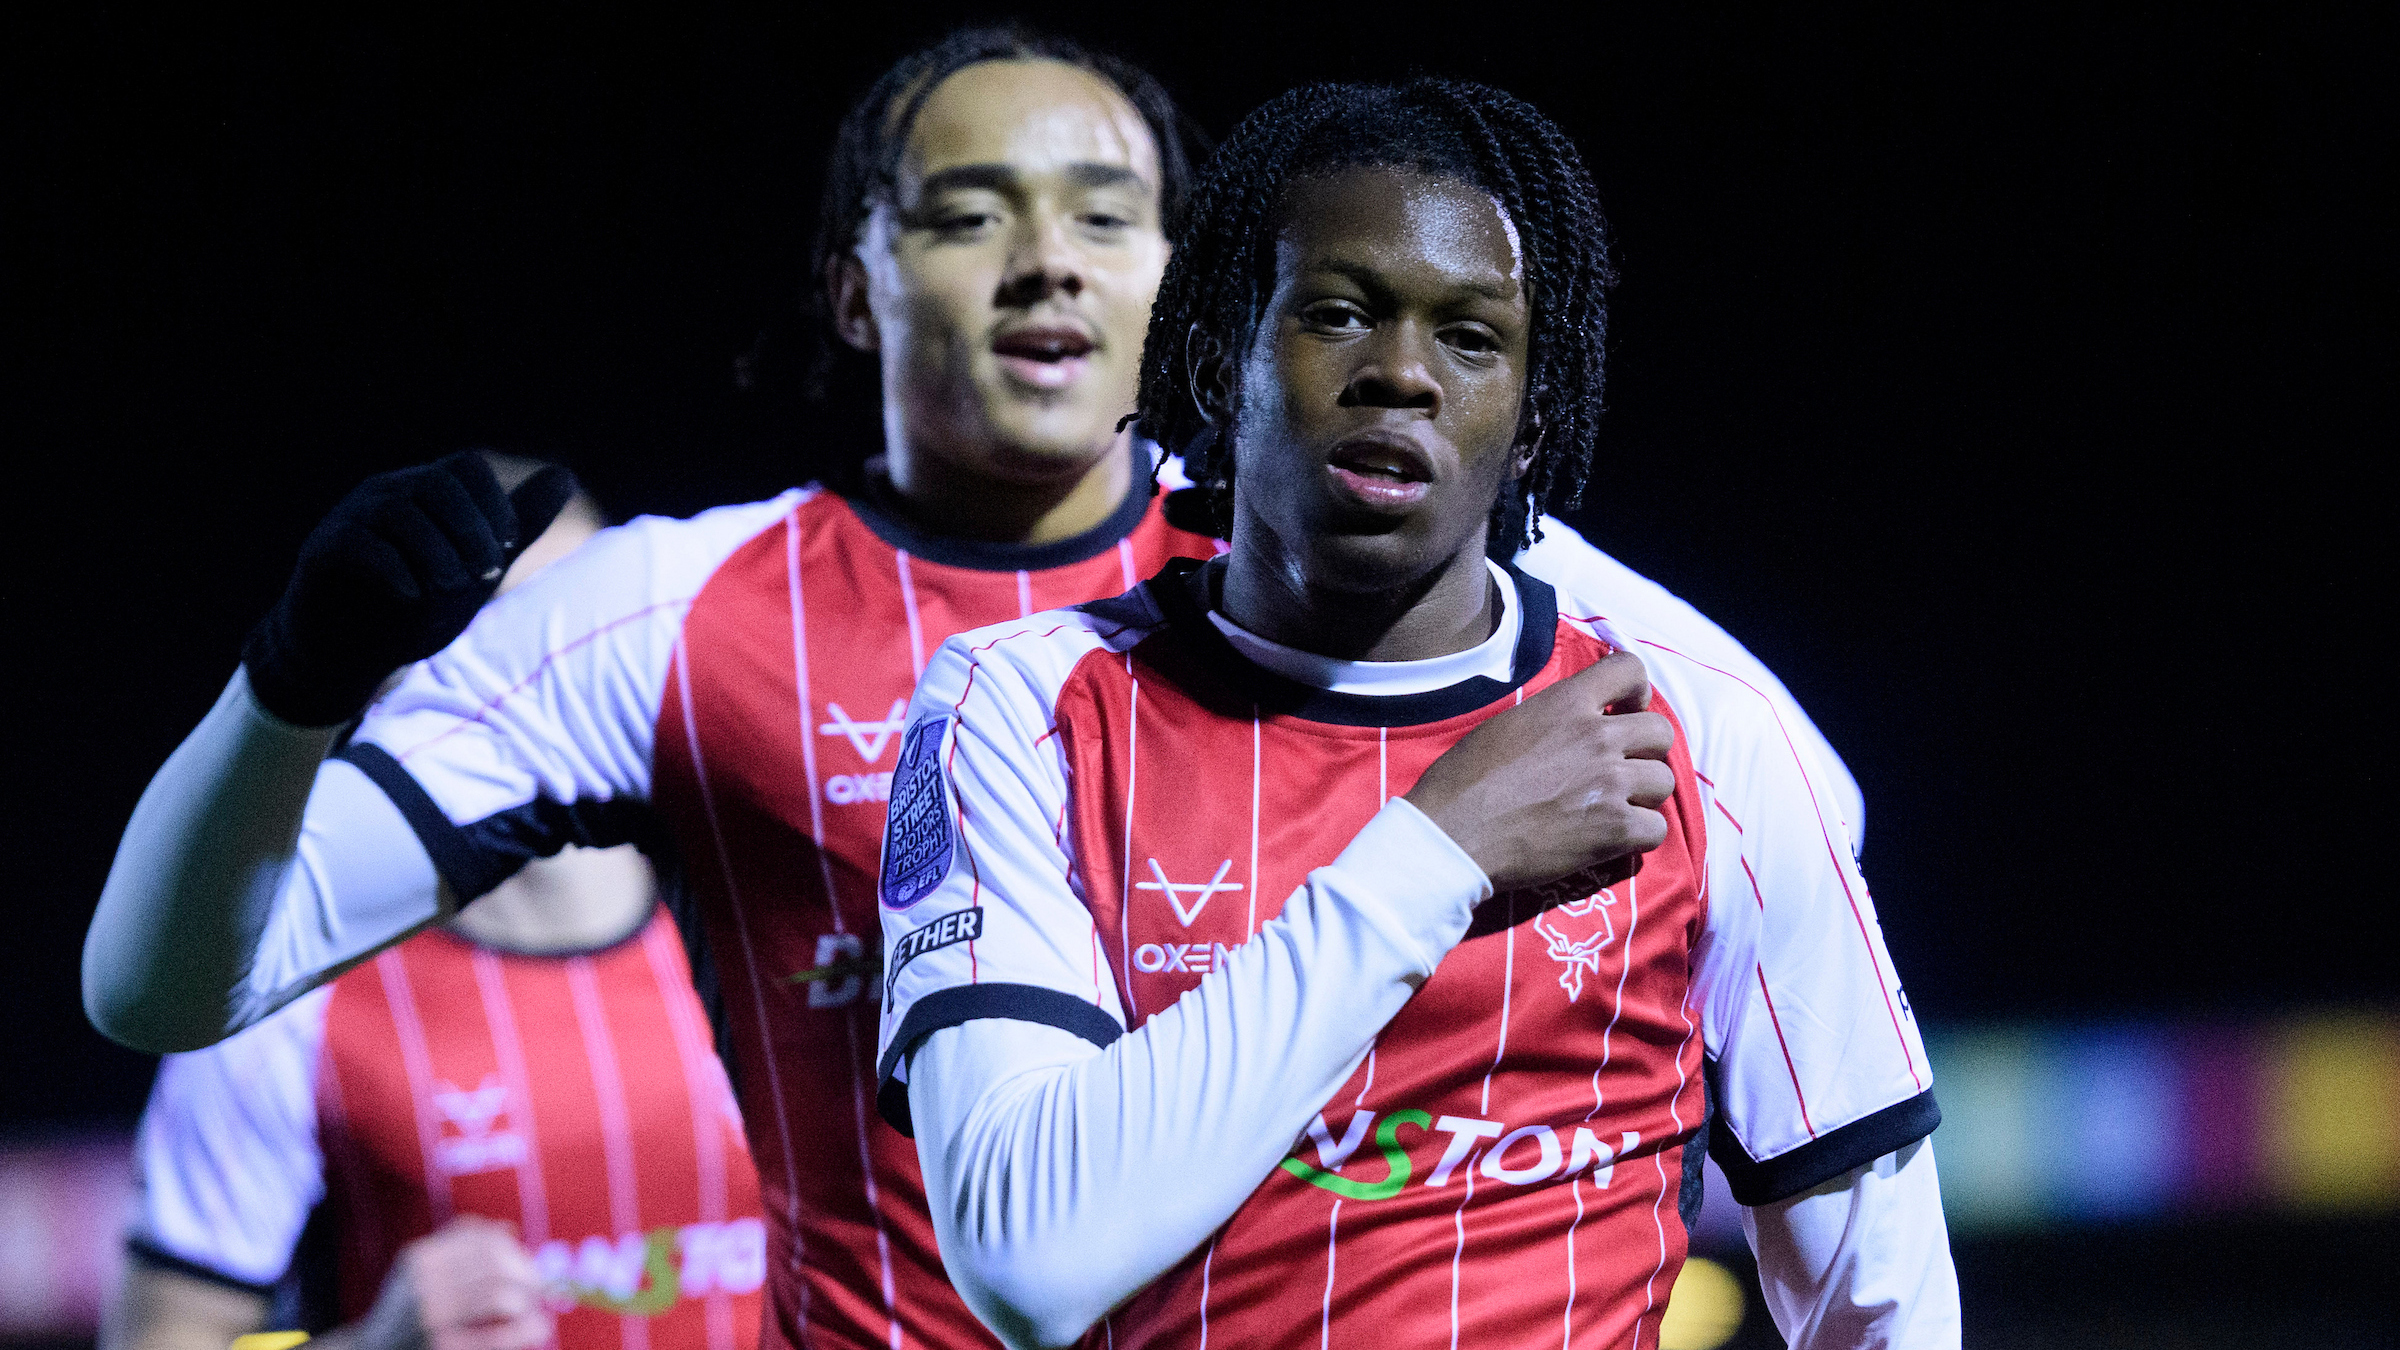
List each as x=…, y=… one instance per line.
x=845, y=284
x=1528, y=448
x=1210, y=376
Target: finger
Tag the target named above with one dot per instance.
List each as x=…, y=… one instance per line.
x=1653, y=783
x=1642, y=735
x=456, y=508
x=527, y=1332
x=537, y=502
x=429, y=552
x=473, y=474
x=1617, y=683
x=376, y=563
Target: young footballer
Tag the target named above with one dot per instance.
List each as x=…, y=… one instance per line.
x=1352, y=940
x=726, y=691
x=505, y=1132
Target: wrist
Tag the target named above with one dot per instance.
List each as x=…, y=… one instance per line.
x=1413, y=877
x=295, y=690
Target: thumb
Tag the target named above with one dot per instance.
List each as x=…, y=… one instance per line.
x=536, y=502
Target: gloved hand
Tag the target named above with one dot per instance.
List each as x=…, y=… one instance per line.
x=394, y=572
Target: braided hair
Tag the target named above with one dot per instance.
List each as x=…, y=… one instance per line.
x=863, y=170
x=1221, y=275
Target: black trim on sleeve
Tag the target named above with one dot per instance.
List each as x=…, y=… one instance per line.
x=1827, y=1156
x=151, y=1254
x=973, y=1002
x=478, y=856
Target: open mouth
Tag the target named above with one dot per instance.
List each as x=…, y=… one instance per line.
x=1382, y=473
x=1047, y=358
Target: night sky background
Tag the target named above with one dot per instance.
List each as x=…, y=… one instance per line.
x=2012, y=384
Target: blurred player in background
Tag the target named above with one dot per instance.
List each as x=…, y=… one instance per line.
x=509, y=1128
x=726, y=691
x=1555, y=926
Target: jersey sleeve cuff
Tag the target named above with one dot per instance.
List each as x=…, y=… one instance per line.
x=971, y=1002
x=1411, y=877
x=149, y=1253
x=476, y=857
x=1820, y=1160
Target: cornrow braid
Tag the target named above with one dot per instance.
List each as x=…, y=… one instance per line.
x=1221, y=274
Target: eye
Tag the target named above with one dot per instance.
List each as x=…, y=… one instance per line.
x=1337, y=316
x=1471, y=338
x=963, y=222
x=1103, y=220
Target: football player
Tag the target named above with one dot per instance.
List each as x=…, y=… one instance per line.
x=1355, y=940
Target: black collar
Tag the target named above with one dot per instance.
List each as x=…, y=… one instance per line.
x=984, y=555
x=1182, y=593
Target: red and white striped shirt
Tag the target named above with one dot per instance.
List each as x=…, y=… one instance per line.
x=576, y=1097
x=1094, y=809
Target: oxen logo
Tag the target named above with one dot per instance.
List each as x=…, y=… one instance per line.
x=1199, y=890
x=1577, y=932
x=867, y=738
x=472, y=1144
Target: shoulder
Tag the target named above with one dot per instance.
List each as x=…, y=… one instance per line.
x=1016, y=671
x=1720, y=703
x=659, y=556
x=1606, y=587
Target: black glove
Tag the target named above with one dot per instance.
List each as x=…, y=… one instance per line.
x=389, y=577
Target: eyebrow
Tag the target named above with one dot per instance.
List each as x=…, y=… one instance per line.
x=1004, y=177
x=1372, y=280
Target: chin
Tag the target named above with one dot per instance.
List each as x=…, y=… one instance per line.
x=1369, y=561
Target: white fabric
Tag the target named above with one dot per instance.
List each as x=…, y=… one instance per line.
x=253, y=869
x=1490, y=658
x=227, y=1163
x=1572, y=563
x=1273, y=1033
x=222, y=903
x=1863, y=1260
x=1799, y=1006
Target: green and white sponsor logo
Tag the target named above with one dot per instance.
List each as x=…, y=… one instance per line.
x=1524, y=1156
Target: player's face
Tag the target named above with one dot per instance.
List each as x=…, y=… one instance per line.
x=1009, y=286
x=1376, y=412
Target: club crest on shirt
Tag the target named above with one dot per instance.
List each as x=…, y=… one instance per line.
x=470, y=1143
x=1576, y=933
x=917, y=834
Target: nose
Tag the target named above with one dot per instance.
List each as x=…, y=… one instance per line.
x=1042, y=262
x=1395, y=370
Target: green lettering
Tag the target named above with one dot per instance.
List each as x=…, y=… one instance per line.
x=658, y=1274
x=1394, y=1157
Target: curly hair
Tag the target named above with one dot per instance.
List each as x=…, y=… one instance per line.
x=1221, y=274
x=862, y=172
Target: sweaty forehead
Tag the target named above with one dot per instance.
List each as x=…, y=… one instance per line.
x=1400, y=223
x=1032, y=116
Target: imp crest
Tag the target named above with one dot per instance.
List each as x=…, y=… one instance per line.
x=1576, y=933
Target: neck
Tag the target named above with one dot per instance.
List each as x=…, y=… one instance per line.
x=945, y=498
x=1270, y=592
x=578, y=901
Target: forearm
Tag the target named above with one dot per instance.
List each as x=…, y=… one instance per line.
x=245, y=876
x=1042, y=1152
x=1863, y=1261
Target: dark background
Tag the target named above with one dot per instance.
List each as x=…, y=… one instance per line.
x=2012, y=384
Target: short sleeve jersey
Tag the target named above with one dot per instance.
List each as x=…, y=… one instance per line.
x=1093, y=807
x=575, y=1097
x=728, y=692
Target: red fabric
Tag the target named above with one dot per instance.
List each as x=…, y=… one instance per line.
x=1508, y=1033
x=776, y=739
x=575, y=1097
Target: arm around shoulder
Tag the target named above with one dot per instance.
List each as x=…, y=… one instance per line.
x=217, y=909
